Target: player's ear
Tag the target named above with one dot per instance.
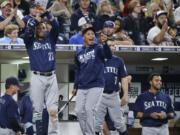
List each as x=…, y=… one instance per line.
x=150, y=82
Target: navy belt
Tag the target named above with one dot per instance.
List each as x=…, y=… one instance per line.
x=3, y=127
x=108, y=92
x=154, y=126
x=44, y=73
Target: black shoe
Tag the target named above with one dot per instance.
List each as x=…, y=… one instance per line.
x=124, y=133
x=97, y=133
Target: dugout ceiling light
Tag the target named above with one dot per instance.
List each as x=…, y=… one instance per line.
x=25, y=58
x=159, y=59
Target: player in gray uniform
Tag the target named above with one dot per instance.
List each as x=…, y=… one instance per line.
x=89, y=79
x=40, y=39
x=154, y=108
x=115, y=72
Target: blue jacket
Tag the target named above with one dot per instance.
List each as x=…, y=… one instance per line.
x=26, y=109
x=90, y=66
x=9, y=113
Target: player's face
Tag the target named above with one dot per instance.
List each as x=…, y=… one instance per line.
x=41, y=30
x=14, y=89
x=156, y=82
x=89, y=37
x=112, y=46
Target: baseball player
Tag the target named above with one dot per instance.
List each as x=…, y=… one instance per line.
x=40, y=39
x=154, y=108
x=89, y=79
x=9, y=112
x=109, y=124
x=26, y=112
x=114, y=72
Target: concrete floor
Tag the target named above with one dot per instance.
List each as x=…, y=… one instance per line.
x=69, y=128
x=72, y=128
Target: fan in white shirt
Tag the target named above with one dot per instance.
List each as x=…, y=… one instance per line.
x=158, y=35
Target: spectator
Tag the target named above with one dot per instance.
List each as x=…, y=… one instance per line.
x=9, y=15
x=13, y=4
x=11, y=35
x=120, y=35
x=158, y=35
x=107, y=31
x=133, y=23
x=83, y=11
x=78, y=38
x=33, y=12
x=43, y=3
x=24, y=7
x=125, y=8
x=177, y=16
x=114, y=33
x=173, y=32
x=62, y=10
x=105, y=13
x=92, y=5
x=153, y=8
x=117, y=6
x=36, y=11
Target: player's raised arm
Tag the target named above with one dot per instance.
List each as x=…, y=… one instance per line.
x=104, y=51
x=53, y=25
x=30, y=30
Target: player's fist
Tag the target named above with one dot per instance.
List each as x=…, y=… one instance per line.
x=162, y=115
x=154, y=115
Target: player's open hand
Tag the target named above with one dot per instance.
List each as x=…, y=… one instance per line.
x=154, y=115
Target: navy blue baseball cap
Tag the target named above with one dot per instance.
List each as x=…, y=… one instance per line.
x=12, y=81
x=109, y=24
x=87, y=29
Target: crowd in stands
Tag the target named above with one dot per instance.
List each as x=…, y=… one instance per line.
x=125, y=22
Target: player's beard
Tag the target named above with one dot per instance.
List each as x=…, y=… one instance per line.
x=157, y=87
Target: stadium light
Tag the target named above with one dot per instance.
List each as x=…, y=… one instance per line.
x=25, y=58
x=159, y=59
